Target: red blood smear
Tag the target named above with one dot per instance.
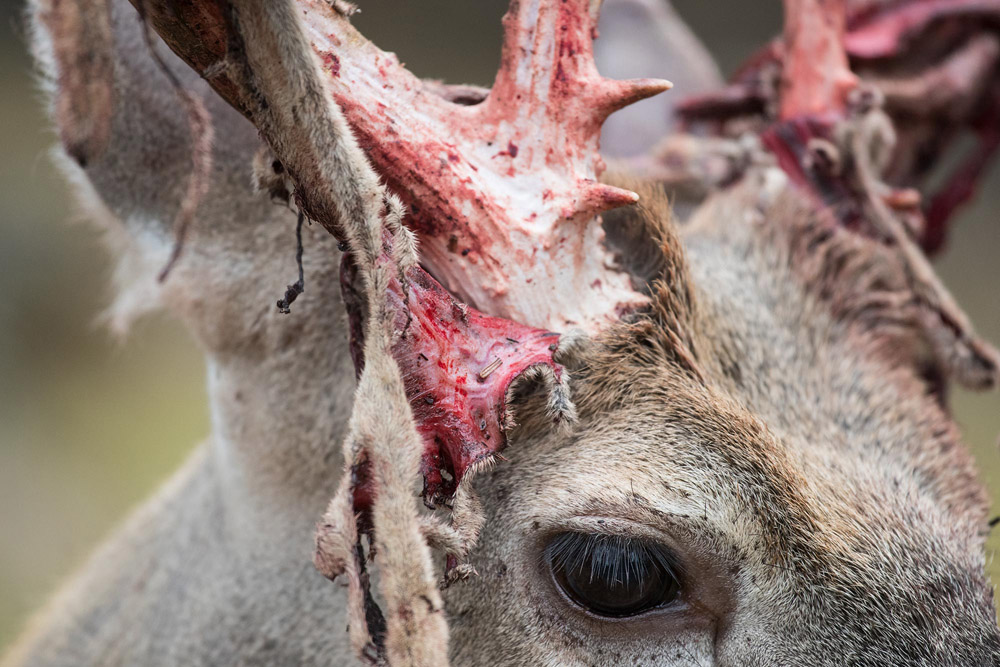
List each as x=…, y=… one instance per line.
x=331, y=62
x=788, y=141
x=457, y=365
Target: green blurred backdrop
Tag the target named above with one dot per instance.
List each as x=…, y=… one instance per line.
x=89, y=426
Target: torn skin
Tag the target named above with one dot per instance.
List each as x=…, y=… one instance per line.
x=457, y=365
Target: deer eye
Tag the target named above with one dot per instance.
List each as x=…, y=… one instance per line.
x=611, y=575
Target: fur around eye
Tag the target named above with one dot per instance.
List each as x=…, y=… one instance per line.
x=611, y=575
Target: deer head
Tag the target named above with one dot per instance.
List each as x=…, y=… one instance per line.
x=722, y=441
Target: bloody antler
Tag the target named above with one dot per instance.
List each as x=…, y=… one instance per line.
x=493, y=188
x=858, y=146
x=503, y=193
x=504, y=196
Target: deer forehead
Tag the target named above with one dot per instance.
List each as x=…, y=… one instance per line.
x=701, y=464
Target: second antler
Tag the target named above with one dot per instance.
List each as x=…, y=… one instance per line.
x=857, y=104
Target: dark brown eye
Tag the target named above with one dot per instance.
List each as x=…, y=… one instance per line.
x=611, y=575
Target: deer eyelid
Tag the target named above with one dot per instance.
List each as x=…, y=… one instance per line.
x=614, y=576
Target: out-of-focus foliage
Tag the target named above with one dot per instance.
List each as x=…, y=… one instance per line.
x=89, y=426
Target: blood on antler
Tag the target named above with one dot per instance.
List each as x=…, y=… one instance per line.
x=816, y=78
x=861, y=143
x=503, y=193
x=493, y=188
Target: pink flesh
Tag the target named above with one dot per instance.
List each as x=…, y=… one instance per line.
x=503, y=193
x=457, y=365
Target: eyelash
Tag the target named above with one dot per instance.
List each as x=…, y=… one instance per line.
x=612, y=557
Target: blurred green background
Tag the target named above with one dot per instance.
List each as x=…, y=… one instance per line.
x=89, y=426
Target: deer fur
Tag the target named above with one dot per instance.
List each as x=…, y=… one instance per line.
x=769, y=417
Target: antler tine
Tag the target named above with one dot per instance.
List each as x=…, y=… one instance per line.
x=548, y=70
x=816, y=77
x=548, y=66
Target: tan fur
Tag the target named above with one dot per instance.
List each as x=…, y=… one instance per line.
x=768, y=418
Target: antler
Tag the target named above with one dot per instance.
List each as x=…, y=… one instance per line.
x=857, y=146
x=503, y=193
x=816, y=78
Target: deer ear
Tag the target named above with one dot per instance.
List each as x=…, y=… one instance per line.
x=645, y=38
x=646, y=239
